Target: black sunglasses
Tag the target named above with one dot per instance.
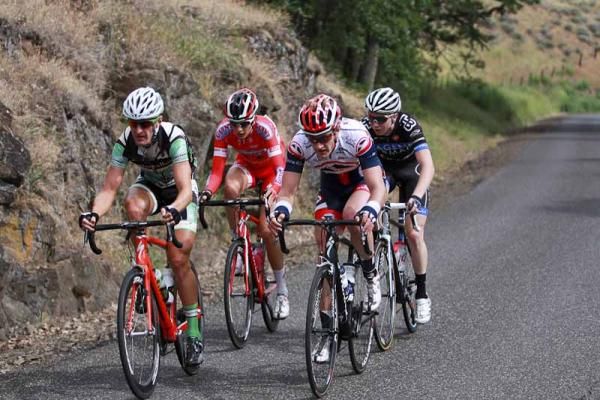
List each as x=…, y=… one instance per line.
x=319, y=139
x=380, y=119
x=143, y=124
x=243, y=124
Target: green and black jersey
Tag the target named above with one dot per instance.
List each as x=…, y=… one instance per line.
x=156, y=161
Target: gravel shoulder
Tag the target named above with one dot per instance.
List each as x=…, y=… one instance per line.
x=60, y=336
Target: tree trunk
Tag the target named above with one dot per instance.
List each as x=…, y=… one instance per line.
x=371, y=63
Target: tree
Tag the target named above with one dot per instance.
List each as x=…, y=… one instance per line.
x=394, y=42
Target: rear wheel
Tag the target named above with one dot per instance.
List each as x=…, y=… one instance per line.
x=363, y=324
x=180, y=345
x=238, y=295
x=384, y=321
x=139, y=347
x=321, y=336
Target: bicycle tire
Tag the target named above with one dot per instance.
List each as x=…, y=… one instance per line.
x=238, y=295
x=132, y=303
x=408, y=292
x=180, y=348
x=384, y=321
x=320, y=374
x=267, y=305
x=363, y=324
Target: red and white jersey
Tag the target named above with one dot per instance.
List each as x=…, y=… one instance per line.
x=262, y=149
x=353, y=150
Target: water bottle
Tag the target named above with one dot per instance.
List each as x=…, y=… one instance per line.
x=258, y=252
x=166, y=284
x=347, y=285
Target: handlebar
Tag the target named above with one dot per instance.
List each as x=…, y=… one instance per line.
x=402, y=206
x=328, y=224
x=89, y=237
x=229, y=203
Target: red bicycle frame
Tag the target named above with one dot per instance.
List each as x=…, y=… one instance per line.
x=257, y=273
x=167, y=313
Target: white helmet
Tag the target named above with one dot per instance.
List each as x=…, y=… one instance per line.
x=383, y=101
x=143, y=104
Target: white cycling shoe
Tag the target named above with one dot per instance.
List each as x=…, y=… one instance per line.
x=321, y=354
x=373, y=296
x=423, y=311
x=282, y=307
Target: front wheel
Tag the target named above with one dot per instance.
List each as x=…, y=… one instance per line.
x=238, y=295
x=138, y=333
x=321, y=335
x=384, y=321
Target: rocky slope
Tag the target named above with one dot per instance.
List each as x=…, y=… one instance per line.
x=56, y=143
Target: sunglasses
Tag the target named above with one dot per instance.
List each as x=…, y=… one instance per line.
x=319, y=139
x=142, y=124
x=380, y=119
x=243, y=124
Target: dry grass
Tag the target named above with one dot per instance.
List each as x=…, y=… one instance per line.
x=232, y=14
x=510, y=60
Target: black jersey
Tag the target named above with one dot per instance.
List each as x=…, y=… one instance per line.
x=399, y=148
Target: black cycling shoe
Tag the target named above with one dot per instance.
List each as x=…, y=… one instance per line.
x=194, y=355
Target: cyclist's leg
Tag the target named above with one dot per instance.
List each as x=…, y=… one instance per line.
x=179, y=260
x=417, y=245
x=274, y=253
x=416, y=240
x=141, y=200
x=357, y=200
x=237, y=180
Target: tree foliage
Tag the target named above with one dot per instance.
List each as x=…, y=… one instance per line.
x=393, y=42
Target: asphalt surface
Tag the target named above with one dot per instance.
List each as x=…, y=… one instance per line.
x=514, y=277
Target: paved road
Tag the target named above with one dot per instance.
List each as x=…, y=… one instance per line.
x=514, y=280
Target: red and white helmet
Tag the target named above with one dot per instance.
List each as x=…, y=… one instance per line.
x=242, y=105
x=319, y=115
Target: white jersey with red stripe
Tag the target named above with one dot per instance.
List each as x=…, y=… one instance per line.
x=353, y=151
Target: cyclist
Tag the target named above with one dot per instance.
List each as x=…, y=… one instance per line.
x=406, y=159
x=260, y=158
x=166, y=184
x=351, y=182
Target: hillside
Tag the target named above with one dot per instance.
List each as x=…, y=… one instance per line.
x=557, y=39
x=67, y=65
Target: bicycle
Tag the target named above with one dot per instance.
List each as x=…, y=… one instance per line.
x=351, y=319
x=142, y=312
x=397, y=277
x=243, y=289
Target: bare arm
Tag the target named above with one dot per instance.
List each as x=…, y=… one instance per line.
x=104, y=200
x=426, y=171
x=374, y=180
x=182, y=173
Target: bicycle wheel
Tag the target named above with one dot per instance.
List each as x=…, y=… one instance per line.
x=384, y=321
x=363, y=324
x=321, y=335
x=180, y=348
x=139, y=348
x=238, y=295
x=409, y=302
x=268, y=304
